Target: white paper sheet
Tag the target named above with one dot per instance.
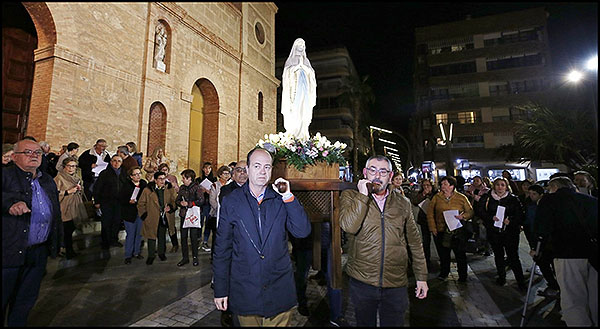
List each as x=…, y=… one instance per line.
x=424, y=205
x=452, y=222
x=96, y=170
x=500, y=215
x=134, y=195
x=206, y=183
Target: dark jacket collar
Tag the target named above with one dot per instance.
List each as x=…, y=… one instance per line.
x=269, y=192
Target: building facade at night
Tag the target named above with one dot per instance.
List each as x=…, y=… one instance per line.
x=196, y=79
x=470, y=76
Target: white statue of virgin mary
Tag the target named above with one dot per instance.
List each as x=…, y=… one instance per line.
x=299, y=94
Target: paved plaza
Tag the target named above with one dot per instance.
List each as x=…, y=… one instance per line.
x=98, y=289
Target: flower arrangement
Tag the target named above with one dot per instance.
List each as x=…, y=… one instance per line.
x=301, y=153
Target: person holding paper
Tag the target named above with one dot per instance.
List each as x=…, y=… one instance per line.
x=106, y=198
x=446, y=240
x=205, y=182
x=92, y=161
x=156, y=208
x=503, y=215
x=130, y=195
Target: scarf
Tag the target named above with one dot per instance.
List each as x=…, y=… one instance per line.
x=498, y=197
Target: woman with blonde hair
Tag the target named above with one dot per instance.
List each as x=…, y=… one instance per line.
x=70, y=196
x=156, y=159
x=505, y=236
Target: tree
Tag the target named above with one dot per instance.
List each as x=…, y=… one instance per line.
x=562, y=136
x=359, y=96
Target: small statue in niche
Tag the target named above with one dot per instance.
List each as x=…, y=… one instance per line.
x=160, y=37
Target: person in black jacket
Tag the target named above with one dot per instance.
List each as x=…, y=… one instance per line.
x=568, y=221
x=205, y=208
x=189, y=195
x=507, y=237
x=129, y=213
x=106, y=198
x=421, y=199
x=30, y=230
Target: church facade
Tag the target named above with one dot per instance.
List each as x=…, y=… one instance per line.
x=196, y=79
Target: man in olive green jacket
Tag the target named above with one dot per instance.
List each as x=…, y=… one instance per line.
x=380, y=224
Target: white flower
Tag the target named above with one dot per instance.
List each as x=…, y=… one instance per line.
x=274, y=138
x=343, y=145
x=336, y=144
x=261, y=142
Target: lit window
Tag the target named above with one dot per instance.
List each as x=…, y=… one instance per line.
x=441, y=117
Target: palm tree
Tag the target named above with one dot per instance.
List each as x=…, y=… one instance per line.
x=566, y=137
x=359, y=96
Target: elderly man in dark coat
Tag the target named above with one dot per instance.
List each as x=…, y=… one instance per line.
x=30, y=230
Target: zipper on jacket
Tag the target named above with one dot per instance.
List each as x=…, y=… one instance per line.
x=259, y=226
x=382, y=250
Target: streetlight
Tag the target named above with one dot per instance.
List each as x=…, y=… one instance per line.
x=448, y=143
x=592, y=63
x=576, y=76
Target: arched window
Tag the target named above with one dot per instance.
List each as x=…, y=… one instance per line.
x=260, y=106
x=157, y=127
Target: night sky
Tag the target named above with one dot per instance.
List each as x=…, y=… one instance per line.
x=380, y=39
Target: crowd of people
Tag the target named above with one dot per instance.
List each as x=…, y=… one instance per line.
x=47, y=197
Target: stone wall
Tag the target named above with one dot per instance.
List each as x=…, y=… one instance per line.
x=103, y=81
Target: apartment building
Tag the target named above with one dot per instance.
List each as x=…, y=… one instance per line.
x=470, y=76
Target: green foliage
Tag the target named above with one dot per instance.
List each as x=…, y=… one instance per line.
x=565, y=136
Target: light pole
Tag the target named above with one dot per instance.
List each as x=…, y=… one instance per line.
x=448, y=143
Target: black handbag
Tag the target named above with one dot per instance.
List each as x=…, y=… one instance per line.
x=211, y=223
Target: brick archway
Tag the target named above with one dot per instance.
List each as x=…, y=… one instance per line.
x=210, y=122
x=157, y=127
x=26, y=98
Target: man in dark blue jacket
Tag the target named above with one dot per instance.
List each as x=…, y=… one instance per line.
x=30, y=219
x=253, y=273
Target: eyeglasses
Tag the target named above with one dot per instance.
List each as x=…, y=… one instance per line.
x=136, y=174
x=226, y=173
x=71, y=166
x=382, y=172
x=239, y=169
x=28, y=153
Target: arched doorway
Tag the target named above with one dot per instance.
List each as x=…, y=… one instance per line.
x=19, y=39
x=204, y=126
x=157, y=127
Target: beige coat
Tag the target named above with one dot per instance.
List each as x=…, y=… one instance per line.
x=71, y=205
x=149, y=209
x=439, y=204
x=378, y=242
